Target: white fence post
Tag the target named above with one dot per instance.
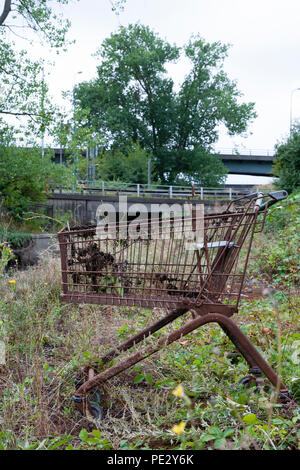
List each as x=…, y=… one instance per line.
x=138, y=190
x=102, y=188
x=170, y=192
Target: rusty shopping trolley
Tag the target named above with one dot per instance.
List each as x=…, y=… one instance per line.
x=188, y=263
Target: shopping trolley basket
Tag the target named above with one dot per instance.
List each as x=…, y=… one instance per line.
x=191, y=262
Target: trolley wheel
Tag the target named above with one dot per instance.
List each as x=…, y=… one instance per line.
x=78, y=383
x=94, y=405
x=250, y=381
x=246, y=381
x=255, y=377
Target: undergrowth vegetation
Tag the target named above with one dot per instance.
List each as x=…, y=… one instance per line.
x=187, y=396
x=276, y=251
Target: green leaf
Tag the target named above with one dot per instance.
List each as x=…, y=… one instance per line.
x=92, y=440
x=207, y=437
x=277, y=421
x=124, y=445
x=61, y=441
x=228, y=432
x=219, y=443
x=250, y=419
x=138, y=378
x=96, y=433
x=83, y=435
x=149, y=379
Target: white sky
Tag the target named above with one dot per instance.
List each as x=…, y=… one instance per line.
x=263, y=58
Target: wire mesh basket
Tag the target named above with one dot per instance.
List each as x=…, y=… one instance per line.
x=171, y=262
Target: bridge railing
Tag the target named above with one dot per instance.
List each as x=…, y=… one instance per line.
x=106, y=188
x=249, y=152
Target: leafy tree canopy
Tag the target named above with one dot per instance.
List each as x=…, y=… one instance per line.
x=23, y=91
x=287, y=162
x=134, y=100
x=130, y=165
x=37, y=15
x=24, y=175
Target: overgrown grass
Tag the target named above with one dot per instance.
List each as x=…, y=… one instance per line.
x=49, y=345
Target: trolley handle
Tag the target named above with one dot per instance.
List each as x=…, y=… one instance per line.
x=275, y=197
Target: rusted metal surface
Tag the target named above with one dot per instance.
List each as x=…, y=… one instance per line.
x=242, y=343
x=91, y=374
x=150, y=271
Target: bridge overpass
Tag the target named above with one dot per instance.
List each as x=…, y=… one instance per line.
x=248, y=162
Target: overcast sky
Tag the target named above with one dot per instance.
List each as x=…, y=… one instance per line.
x=263, y=58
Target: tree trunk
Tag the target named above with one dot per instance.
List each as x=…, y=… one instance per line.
x=6, y=10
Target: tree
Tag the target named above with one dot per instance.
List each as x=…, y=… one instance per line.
x=6, y=11
x=287, y=162
x=24, y=176
x=23, y=91
x=37, y=15
x=130, y=165
x=133, y=99
x=75, y=136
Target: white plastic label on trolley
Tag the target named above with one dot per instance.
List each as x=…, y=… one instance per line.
x=259, y=201
x=200, y=246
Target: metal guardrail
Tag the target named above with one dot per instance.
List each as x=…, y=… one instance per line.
x=243, y=151
x=143, y=190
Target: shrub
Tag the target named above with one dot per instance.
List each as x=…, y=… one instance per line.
x=24, y=175
x=287, y=162
x=130, y=165
x=14, y=239
x=278, y=255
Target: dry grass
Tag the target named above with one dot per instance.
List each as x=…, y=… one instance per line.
x=49, y=345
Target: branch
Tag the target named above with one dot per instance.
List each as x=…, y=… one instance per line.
x=10, y=27
x=2, y=111
x=7, y=72
x=42, y=216
x=6, y=11
x=30, y=17
x=32, y=116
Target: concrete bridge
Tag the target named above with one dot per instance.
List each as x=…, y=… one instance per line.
x=248, y=164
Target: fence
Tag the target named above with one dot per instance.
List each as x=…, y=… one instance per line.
x=105, y=188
